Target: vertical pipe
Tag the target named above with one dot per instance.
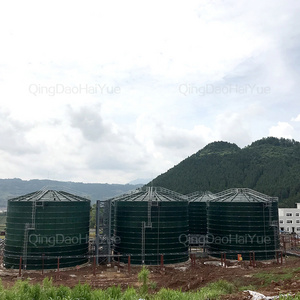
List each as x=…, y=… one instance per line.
x=143, y=242
x=94, y=266
x=193, y=259
x=118, y=260
x=97, y=231
x=129, y=263
x=43, y=262
x=20, y=267
x=161, y=261
x=58, y=267
x=109, y=233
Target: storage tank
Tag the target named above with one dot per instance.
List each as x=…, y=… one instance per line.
x=241, y=221
x=45, y=225
x=198, y=216
x=149, y=222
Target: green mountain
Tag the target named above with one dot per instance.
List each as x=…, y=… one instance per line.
x=269, y=165
x=10, y=188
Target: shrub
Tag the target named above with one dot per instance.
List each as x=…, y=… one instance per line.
x=143, y=278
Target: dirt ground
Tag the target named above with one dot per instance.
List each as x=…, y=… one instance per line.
x=182, y=276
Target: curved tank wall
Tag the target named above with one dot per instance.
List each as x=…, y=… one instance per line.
x=241, y=221
x=151, y=223
x=198, y=216
x=44, y=226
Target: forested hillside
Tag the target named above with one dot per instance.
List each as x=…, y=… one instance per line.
x=269, y=165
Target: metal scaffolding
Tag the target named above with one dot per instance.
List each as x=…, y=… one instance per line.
x=104, y=234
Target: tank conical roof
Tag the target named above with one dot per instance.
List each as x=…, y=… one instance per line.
x=242, y=195
x=201, y=196
x=151, y=194
x=48, y=195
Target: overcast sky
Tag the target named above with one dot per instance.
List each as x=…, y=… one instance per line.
x=111, y=91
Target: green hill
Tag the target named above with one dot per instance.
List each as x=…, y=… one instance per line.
x=269, y=165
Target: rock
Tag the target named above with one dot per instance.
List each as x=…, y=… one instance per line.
x=259, y=296
x=256, y=295
x=294, y=284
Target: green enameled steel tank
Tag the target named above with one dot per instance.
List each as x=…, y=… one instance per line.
x=150, y=222
x=241, y=221
x=44, y=226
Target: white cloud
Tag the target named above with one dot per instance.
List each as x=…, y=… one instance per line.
x=297, y=119
x=282, y=130
x=139, y=124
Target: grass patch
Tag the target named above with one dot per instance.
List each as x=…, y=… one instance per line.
x=212, y=291
x=268, y=278
x=265, y=278
x=243, y=283
x=284, y=274
x=250, y=287
x=23, y=290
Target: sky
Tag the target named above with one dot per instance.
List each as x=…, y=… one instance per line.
x=112, y=91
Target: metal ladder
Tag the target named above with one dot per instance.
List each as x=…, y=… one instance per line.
x=148, y=224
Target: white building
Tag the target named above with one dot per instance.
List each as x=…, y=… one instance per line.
x=289, y=219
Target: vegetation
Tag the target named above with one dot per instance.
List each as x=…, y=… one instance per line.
x=212, y=291
x=22, y=290
x=2, y=221
x=286, y=274
x=267, y=278
x=93, y=216
x=143, y=279
x=269, y=165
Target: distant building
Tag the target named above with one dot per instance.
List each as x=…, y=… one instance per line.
x=289, y=219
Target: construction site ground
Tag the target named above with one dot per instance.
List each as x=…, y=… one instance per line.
x=182, y=276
